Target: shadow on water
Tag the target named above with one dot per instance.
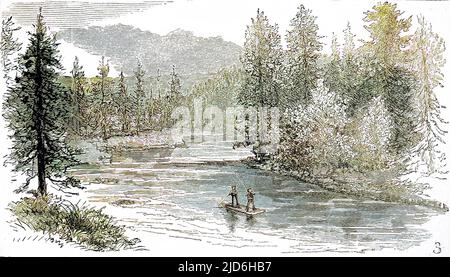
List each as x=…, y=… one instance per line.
x=231, y=219
x=251, y=221
x=234, y=220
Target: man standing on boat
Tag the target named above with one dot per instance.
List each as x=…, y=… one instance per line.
x=250, y=200
x=233, y=193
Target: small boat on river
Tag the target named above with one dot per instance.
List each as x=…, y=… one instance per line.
x=242, y=209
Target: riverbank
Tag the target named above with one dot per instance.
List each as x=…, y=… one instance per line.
x=98, y=151
x=378, y=186
x=169, y=206
x=86, y=226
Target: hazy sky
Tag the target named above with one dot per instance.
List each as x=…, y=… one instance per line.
x=228, y=18
x=225, y=18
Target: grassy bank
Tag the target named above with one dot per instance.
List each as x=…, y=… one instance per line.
x=90, y=228
x=380, y=186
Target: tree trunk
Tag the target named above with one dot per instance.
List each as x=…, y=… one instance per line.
x=40, y=148
x=42, y=186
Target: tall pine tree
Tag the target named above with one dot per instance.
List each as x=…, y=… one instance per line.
x=332, y=78
x=77, y=96
x=303, y=53
x=139, y=98
x=104, y=105
x=36, y=110
x=386, y=75
x=350, y=72
x=262, y=63
x=123, y=102
x=174, y=87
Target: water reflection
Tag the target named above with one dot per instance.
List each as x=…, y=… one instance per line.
x=297, y=211
x=231, y=220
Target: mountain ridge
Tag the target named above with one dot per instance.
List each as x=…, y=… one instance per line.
x=124, y=44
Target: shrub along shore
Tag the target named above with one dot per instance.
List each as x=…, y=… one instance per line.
x=379, y=186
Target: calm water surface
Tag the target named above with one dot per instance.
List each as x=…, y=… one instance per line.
x=176, y=194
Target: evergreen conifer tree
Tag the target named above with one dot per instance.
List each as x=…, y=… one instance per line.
x=9, y=47
x=262, y=63
x=303, y=53
x=36, y=110
x=139, y=97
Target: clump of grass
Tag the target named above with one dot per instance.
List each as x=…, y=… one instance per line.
x=89, y=227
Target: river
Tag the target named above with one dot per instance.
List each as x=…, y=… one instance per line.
x=176, y=192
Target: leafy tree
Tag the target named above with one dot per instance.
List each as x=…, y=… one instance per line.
x=396, y=85
x=262, y=61
x=387, y=29
x=348, y=49
x=304, y=46
x=9, y=46
x=173, y=97
x=427, y=62
x=36, y=111
x=313, y=139
x=386, y=75
x=372, y=135
x=221, y=89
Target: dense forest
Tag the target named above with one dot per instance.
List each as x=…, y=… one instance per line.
x=361, y=108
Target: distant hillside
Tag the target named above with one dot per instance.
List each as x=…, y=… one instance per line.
x=123, y=44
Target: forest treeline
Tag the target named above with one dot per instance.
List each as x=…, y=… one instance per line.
x=104, y=106
x=362, y=108
x=368, y=106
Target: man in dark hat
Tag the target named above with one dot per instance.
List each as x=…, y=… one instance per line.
x=233, y=193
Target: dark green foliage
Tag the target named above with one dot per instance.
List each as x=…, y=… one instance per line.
x=303, y=52
x=262, y=64
x=400, y=85
x=104, y=102
x=9, y=46
x=333, y=69
x=78, y=97
x=174, y=88
x=123, y=105
x=220, y=90
x=172, y=99
x=396, y=86
x=294, y=152
x=139, y=98
x=36, y=109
